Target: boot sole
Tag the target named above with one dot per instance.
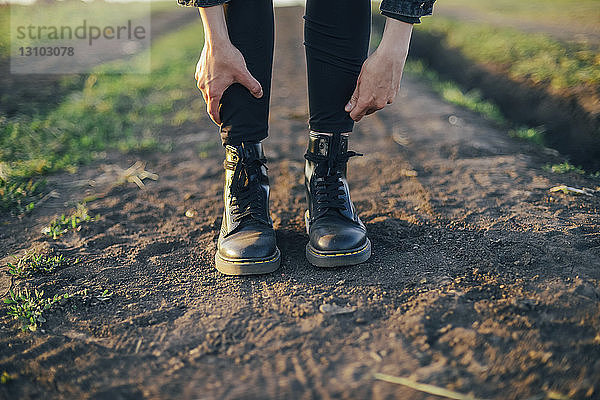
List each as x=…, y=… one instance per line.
x=332, y=259
x=251, y=266
x=338, y=258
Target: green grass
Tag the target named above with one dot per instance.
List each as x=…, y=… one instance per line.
x=4, y=30
x=34, y=263
x=471, y=100
x=535, y=135
x=123, y=112
x=452, y=93
x=112, y=112
x=535, y=59
x=18, y=196
x=550, y=12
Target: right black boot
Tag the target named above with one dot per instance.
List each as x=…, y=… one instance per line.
x=337, y=237
x=247, y=244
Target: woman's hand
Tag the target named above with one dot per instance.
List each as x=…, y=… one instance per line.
x=218, y=68
x=379, y=79
x=221, y=64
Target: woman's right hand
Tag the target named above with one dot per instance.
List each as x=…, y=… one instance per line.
x=220, y=66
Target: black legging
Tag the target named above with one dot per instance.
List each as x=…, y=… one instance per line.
x=336, y=38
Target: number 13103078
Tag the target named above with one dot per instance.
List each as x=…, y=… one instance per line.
x=47, y=51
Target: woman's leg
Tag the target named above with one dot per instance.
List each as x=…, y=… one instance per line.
x=336, y=37
x=251, y=29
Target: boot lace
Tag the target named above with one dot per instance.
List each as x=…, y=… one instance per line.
x=245, y=191
x=329, y=187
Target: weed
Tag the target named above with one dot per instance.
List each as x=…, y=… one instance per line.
x=205, y=149
x=18, y=196
x=105, y=296
x=535, y=135
x=6, y=377
x=28, y=307
x=64, y=224
x=564, y=168
x=32, y=263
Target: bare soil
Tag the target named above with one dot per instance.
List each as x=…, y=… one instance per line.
x=481, y=280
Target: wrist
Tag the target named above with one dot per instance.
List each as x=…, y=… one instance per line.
x=215, y=27
x=396, y=37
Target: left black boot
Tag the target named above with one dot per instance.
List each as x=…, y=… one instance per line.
x=336, y=234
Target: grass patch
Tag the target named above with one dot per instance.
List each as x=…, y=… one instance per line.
x=33, y=263
x=64, y=223
x=452, y=93
x=112, y=112
x=471, y=100
x=564, y=168
x=551, y=12
x=18, y=196
x=119, y=112
x=29, y=307
x=535, y=135
x=535, y=59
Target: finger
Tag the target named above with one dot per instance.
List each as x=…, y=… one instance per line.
x=246, y=79
x=200, y=85
x=359, y=111
x=353, y=100
x=213, y=108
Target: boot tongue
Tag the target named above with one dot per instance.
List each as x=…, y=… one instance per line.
x=329, y=148
x=251, y=151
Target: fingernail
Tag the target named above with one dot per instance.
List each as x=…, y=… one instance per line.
x=348, y=107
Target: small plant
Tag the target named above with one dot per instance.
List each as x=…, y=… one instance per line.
x=105, y=296
x=6, y=377
x=535, y=135
x=33, y=263
x=205, y=149
x=18, y=196
x=28, y=307
x=564, y=168
x=64, y=224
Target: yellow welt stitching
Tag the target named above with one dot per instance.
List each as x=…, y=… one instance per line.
x=337, y=254
x=249, y=262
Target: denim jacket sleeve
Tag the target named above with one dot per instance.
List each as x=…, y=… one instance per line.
x=407, y=8
x=391, y=8
x=201, y=3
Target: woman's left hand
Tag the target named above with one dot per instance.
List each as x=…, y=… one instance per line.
x=379, y=79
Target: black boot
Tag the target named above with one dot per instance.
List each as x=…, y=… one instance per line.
x=336, y=235
x=247, y=243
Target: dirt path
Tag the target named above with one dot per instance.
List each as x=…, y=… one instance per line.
x=480, y=281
